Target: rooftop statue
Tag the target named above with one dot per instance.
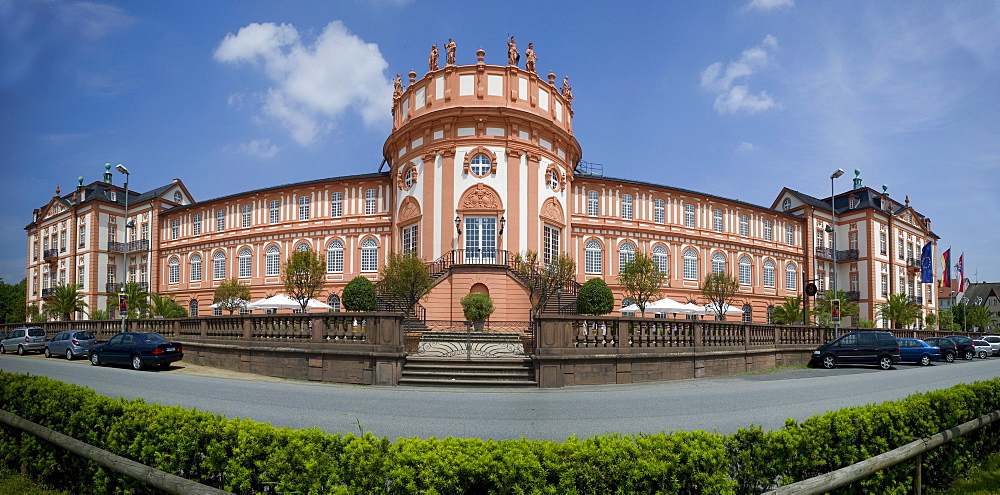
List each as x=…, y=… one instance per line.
x=397, y=87
x=567, y=92
x=433, y=61
x=512, y=56
x=450, y=51
x=529, y=54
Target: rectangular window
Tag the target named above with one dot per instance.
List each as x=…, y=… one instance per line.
x=909, y=288
x=196, y=270
x=220, y=220
x=885, y=286
x=855, y=282
x=35, y=246
x=821, y=281
x=689, y=216
x=303, y=207
x=111, y=274
x=410, y=239
x=744, y=225
x=551, y=244
x=274, y=211
x=55, y=241
x=627, y=206
x=658, y=207
x=219, y=268
x=370, y=205
x=881, y=242
x=336, y=204
x=902, y=286
x=789, y=235
x=145, y=231
x=852, y=241
x=717, y=220
x=899, y=250
x=81, y=277
x=768, y=230
x=82, y=241
x=791, y=280
x=112, y=236
x=909, y=250
x=62, y=241
x=819, y=238
x=245, y=216
x=196, y=225
x=175, y=227
x=593, y=203
x=174, y=272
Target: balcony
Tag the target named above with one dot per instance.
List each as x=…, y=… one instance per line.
x=51, y=254
x=913, y=263
x=49, y=292
x=853, y=295
x=131, y=247
x=847, y=255
x=112, y=287
x=919, y=301
x=826, y=253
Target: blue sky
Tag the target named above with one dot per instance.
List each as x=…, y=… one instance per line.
x=736, y=99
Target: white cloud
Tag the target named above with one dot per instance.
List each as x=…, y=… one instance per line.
x=769, y=4
x=745, y=147
x=733, y=97
x=261, y=148
x=314, y=85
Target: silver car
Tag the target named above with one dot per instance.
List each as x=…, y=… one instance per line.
x=23, y=340
x=994, y=341
x=70, y=343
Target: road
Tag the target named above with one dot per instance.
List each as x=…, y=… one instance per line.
x=725, y=404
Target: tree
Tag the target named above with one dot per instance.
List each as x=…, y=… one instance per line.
x=166, y=307
x=65, y=300
x=595, y=298
x=99, y=314
x=13, y=301
x=231, y=295
x=788, y=312
x=543, y=280
x=865, y=323
x=359, y=295
x=304, y=275
x=477, y=306
x=979, y=317
x=931, y=319
x=946, y=320
x=823, y=311
x=641, y=280
x=405, y=277
x=720, y=289
x=959, y=316
x=900, y=310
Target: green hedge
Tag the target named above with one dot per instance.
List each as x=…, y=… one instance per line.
x=248, y=457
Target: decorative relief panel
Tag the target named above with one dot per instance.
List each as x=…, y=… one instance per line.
x=552, y=211
x=408, y=211
x=480, y=198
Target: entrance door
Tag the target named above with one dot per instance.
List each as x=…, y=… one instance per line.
x=480, y=239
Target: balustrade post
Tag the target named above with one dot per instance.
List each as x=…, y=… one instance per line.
x=247, y=324
x=318, y=326
x=203, y=328
x=698, y=334
x=746, y=335
x=177, y=328
x=777, y=334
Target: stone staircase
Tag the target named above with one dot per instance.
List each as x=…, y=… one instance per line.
x=461, y=372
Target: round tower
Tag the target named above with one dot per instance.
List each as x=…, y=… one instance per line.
x=482, y=158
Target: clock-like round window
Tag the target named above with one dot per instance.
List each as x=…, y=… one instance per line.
x=480, y=165
x=786, y=204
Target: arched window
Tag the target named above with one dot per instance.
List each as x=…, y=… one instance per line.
x=791, y=276
x=480, y=165
x=553, y=180
x=690, y=264
x=592, y=256
x=768, y=273
x=193, y=308
x=272, y=260
x=593, y=203
x=302, y=246
x=335, y=256
x=245, y=262
x=746, y=270
x=408, y=179
x=747, y=313
x=718, y=263
x=369, y=255
x=626, y=254
x=219, y=266
x=660, y=259
x=770, y=312
x=196, y=268
x=627, y=302
x=175, y=270
x=334, y=302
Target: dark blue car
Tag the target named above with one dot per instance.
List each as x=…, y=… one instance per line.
x=918, y=351
x=137, y=349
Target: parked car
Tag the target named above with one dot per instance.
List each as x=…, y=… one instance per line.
x=994, y=341
x=70, y=343
x=965, y=348
x=140, y=349
x=948, y=348
x=860, y=347
x=918, y=351
x=983, y=348
x=25, y=339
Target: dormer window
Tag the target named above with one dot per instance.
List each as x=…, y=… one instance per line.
x=114, y=196
x=853, y=202
x=786, y=204
x=177, y=197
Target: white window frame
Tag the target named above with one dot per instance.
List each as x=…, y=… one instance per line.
x=768, y=273
x=371, y=206
x=410, y=238
x=245, y=216
x=196, y=224
x=369, y=255
x=335, y=256
x=746, y=271
x=303, y=208
x=626, y=254
x=219, y=265
x=689, y=215
x=274, y=211
x=690, y=264
x=272, y=261
x=717, y=220
x=768, y=230
x=195, y=268
x=661, y=259
x=245, y=263
x=174, y=270
x=626, y=206
x=175, y=228
x=220, y=220
x=593, y=254
x=658, y=209
x=337, y=204
x=550, y=243
x=744, y=225
x=593, y=203
x=789, y=235
x=791, y=276
x=718, y=263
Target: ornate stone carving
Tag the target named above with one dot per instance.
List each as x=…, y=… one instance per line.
x=397, y=87
x=432, y=62
x=449, y=50
x=530, y=58
x=567, y=92
x=480, y=197
x=551, y=210
x=408, y=211
x=512, y=57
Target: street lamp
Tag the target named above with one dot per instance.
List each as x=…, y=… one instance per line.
x=121, y=169
x=833, y=232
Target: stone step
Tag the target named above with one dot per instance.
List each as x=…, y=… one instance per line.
x=434, y=382
x=452, y=372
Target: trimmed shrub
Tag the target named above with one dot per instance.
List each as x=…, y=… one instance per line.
x=359, y=295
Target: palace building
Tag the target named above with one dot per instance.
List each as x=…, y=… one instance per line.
x=481, y=164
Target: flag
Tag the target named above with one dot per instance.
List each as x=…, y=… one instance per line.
x=946, y=268
x=961, y=273
x=926, y=265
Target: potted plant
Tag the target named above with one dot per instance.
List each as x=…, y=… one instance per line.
x=477, y=307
